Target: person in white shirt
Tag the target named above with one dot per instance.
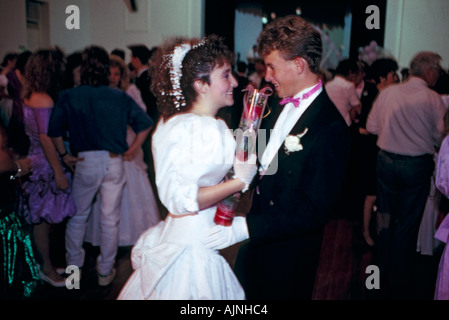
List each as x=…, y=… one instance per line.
x=408, y=120
x=342, y=91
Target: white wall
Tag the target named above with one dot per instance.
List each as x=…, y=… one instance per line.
x=107, y=23
x=114, y=26
x=248, y=25
x=416, y=25
x=69, y=40
x=411, y=25
x=13, y=26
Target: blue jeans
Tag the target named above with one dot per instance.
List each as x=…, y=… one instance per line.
x=403, y=186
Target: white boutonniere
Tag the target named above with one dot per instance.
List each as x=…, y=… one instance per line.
x=293, y=142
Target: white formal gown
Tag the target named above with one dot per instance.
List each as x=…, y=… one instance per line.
x=170, y=261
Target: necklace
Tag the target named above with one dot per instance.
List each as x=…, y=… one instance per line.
x=201, y=114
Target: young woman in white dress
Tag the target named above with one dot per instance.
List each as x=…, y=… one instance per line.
x=139, y=210
x=193, y=151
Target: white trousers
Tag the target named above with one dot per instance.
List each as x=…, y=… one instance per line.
x=102, y=173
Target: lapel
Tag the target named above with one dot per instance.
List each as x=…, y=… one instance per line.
x=305, y=121
x=270, y=121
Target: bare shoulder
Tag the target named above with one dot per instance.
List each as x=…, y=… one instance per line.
x=39, y=100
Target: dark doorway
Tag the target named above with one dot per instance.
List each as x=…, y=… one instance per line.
x=220, y=17
x=360, y=34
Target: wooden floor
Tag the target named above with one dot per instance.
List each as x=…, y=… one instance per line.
x=341, y=273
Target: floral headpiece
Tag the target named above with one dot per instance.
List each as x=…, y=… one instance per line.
x=175, y=65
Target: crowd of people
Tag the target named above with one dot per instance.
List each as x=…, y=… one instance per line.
x=136, y=155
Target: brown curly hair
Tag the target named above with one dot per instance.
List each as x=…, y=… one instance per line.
x=44, y=72
x=293, y=37
x=199, y=62
x=95, y=66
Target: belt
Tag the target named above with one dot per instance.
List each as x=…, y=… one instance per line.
x=401, y=156
x=113, y=155
x=177, y=216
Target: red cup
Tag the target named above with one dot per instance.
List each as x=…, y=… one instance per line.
x=226, y=210
x=224, y=216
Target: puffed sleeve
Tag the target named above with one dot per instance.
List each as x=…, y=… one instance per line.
x=188, y=154
x=442, y=168
x=42, y=117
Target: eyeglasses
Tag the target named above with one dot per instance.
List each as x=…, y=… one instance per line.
x=439, y=69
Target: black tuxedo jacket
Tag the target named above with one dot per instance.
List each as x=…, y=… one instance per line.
x=143, y=83
x=291, y=206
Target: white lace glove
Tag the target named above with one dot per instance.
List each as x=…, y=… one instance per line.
x=219, y=237
x=246, y=170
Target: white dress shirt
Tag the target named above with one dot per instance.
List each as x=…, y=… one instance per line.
x=284, y=124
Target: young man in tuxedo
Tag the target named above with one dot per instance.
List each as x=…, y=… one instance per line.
x=301, y=171
x=140, y=60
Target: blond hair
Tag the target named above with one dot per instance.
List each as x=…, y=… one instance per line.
x=117, y=62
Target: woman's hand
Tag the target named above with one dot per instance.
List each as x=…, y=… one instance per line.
x=219, y=237
x=245, y=171
x=130, y=154
x=61, y=181
x=24, y=165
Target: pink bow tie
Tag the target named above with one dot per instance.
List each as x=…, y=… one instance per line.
x=296, y=101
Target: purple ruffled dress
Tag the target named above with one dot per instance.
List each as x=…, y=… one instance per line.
x=442, y=234
x=44, y=201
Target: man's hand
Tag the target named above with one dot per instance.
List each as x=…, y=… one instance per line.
x=71, y=161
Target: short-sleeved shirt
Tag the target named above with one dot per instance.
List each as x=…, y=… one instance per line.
x=408, y=118
x=97, y=118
